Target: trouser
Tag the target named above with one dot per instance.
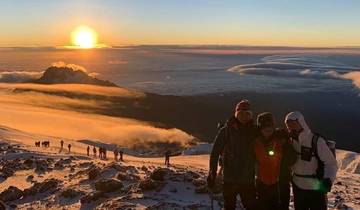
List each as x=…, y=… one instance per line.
x=247, y=195
x=309, y=199
x=284, y=188
x=276, y=196
x=268, y=195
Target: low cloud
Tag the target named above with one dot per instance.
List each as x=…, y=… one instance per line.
x=312, y=67
x=19, y=76
x=75, y=89
x=354, y=76
x=52, y=115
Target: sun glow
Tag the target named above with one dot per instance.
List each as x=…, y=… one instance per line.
x=84, y=37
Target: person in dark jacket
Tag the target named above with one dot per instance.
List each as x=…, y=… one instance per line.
x=121, y=155
x=94, y=151
x=167, y=157
x=272, y=148
x=235, y=142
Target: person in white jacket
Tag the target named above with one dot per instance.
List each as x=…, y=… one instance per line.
x=310, y=189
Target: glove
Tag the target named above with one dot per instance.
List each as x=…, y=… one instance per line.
x=325, y=185
x=211, y=180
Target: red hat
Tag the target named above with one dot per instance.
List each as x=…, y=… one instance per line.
x=243, y=105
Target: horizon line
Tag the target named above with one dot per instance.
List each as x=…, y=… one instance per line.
x=178, y=45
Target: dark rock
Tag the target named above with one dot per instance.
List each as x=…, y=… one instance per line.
x=86, y=164
x=165, y=205
x=116, y=204
x=11, y=194
x=149, y=184
x=199, y=182
x=41, y=166
x=144, y=168
x=127, y=176
x=158, y=174
x=93, y=173
x=94, y=196
x=122, y=176
x=30, y=178
x=47, y=185
x=338, y=183
x=29, y=163
x=108, y=185
x=71, y=193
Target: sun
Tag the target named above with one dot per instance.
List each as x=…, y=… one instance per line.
x=84, y=37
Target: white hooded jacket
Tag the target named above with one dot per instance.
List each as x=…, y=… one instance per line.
x=308, y=168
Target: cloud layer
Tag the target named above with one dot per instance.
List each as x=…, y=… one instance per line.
x=314, y=67
x=19, y=76
x=49, y=114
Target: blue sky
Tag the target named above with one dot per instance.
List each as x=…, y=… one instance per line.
x=268, y=22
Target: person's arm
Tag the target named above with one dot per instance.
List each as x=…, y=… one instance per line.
x=290, y=153
x=329, y=160
x=217, y=150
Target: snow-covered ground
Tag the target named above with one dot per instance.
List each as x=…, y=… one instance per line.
x=51, y=178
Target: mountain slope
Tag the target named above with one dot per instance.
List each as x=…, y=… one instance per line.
x=179, y=187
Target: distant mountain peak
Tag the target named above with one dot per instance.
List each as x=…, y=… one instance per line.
x=68, y=75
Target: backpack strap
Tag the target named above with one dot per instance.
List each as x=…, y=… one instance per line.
x=314, y=147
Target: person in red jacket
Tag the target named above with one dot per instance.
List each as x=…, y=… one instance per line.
x=273, y=151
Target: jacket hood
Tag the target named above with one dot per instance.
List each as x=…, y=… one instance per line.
x=300, y=118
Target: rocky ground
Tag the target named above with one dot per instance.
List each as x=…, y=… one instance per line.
x=40, y=178
x=31, y=180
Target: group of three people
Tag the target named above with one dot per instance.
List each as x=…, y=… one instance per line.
x=259, y=161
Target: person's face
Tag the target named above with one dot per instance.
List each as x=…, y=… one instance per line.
x=267, y=131
x=293, y=125
x=243, y=116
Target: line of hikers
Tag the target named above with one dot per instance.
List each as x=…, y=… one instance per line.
x=118, y=154
x=258, y=162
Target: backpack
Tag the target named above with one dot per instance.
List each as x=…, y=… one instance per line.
x=331, y=145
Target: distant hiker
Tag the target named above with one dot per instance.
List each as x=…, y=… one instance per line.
x=167, y=157
x=104, y=153
x=69, y=147
x=274, y=157
x=315, y=168
x=235, y=141
x=116, y=153
x=62, y=144
x=37, y=144
x=121, y=155
x=88, y=150
x=94, y=151
x=100, y=152
x=45, y=143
